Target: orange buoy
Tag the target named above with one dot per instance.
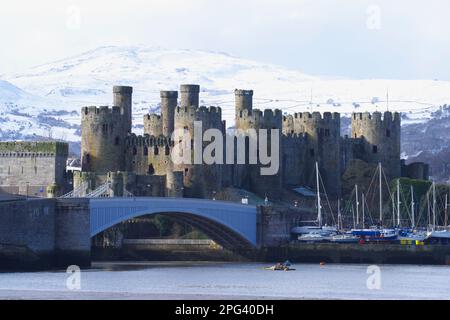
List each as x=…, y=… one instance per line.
x=322, y=264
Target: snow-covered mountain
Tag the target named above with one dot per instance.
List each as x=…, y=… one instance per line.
x=45, y=100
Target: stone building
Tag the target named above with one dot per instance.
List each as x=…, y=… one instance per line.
x=375, y=139
x=142, y=165
x=33, y=168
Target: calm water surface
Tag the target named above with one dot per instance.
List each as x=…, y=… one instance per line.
x=229, y=281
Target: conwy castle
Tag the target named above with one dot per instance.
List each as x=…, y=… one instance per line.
x=141, y=165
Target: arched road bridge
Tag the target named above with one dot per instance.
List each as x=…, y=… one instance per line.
x=230, y=224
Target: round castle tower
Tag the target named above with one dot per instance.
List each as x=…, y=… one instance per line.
x=322, y=145
x=199, y=180
x=248, y=118
x=190, y=95
x=243, y=100
x=103, y=131
x=381, y=139
x=123, y=100
x=169, y=101
x=156, y=125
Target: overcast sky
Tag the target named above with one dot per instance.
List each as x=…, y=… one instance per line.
x=404, y=39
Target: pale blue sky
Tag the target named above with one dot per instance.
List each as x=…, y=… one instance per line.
x=404, y=39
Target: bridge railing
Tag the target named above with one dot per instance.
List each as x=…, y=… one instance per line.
x=77, y=192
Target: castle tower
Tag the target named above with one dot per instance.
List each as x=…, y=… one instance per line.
x=243, y=108
x=123, y=100
x=381, y=139
x=103, y=132
x=243, y=100
x=169, y=101
x=322, y=145
x=190, y=95
x=199, y=180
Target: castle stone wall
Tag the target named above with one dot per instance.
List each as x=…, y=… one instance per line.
x=29, y=168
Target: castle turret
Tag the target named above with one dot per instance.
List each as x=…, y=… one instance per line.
x=190, y=95
x=380, y=135
x=243, y=100
x=123, y=100
x=103, y=132
x=169, y=101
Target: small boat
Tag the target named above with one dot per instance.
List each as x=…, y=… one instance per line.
x=411, y=236
x=281, y=267
x=312, y=238
x=376, y=235
x=439, y=237
x=344, y=238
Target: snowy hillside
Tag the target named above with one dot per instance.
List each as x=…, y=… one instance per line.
x=51, y=95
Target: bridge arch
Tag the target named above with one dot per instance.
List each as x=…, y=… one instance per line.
x=233, y=225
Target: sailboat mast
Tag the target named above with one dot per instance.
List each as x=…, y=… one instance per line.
x=339, y=215
x=393, y=209
x=319, y=207
x=413, y=219
x=381, y=195
x=363, y=211
x=357, y=206
x=434, y=205
x=398, y=202
x=446, y=211
x=428, y=209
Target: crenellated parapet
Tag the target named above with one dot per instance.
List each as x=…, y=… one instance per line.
x=148, y=140
x=211, y=117
x=312, y=123
x=257, y=119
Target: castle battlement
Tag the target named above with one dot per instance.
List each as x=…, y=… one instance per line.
x=258, y=115
x=376, y=117
x=148, y=141
x=169, y=94
x=192, y=111
x=240, y=92
x=102, y=110
x=316, y=116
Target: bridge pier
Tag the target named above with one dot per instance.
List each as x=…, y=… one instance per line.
x=72, y=233
x=38, y=234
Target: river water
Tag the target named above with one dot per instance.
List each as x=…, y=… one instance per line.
x=230, y=281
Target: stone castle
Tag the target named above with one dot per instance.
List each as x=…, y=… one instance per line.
x=142, y=166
